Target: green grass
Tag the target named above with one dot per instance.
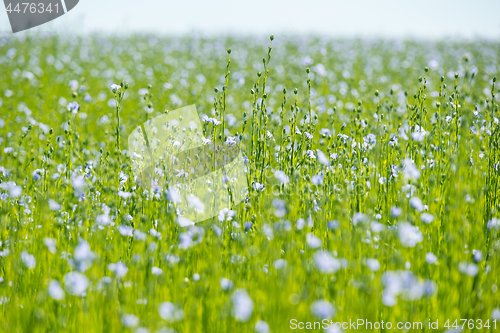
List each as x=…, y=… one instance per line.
x=320, y=222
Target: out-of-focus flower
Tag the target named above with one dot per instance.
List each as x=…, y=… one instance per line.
x=226, y=284
x=115, y=88
x=28, y=260
x=169, y=312
x=73, y=107
x=76, y=284
x=119, y=269
x=326, y=263
x=242, y=305
x=409, y=236
x=322, y=309
x=55, y=290
x=129, y=320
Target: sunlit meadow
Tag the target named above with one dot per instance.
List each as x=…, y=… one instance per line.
x=373, y=184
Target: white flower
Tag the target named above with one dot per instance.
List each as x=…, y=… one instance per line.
x=495, y=314
x=156, y=270
x=124, y=195
x=119, y=269
x=217, y=230
x=326, y=263
x=280, y=207
x=430, y=258
x=417, y=136
x=242, y=305
x=76, y=284
x=358, y=218
x=281, y=176
x=493, y=223
x=50, y=243
x=410, y=171
x=427, y=218
x=125, y=230
x=406, y=285
x=102, y=219
x=322, y=309
x=226, y=284
x=73, y=84
x=478, y=255
x=174, y=195
x=184, y=221
x=325, y=132
x=155, y=233
x=469, y=269
x=332, y=329
x=396, y=211
x=376, y=226
x=139, y=235
x=115, y=87
x=417, y=204
x=373, y=264
x=53, y=205
x=78, y=183
x=258, y=186
x=300, y=223
x=262, y=327
x=232, y=141
x=169, y=312
x=280, y=263
x=308, y=135
x=409, y=236
x=28, y=260
x=317, y=179
x=73, y=107
x=196, y=277
x=394, y=139
x=268, y=231
x=226, y=214
x=55, y=290
x=83, y=256
x=129, y=320
x=15, y=191
x=195, y=203
x=369, y=141
x=312, y=241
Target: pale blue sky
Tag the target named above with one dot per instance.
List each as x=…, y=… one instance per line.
x=344, y=18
